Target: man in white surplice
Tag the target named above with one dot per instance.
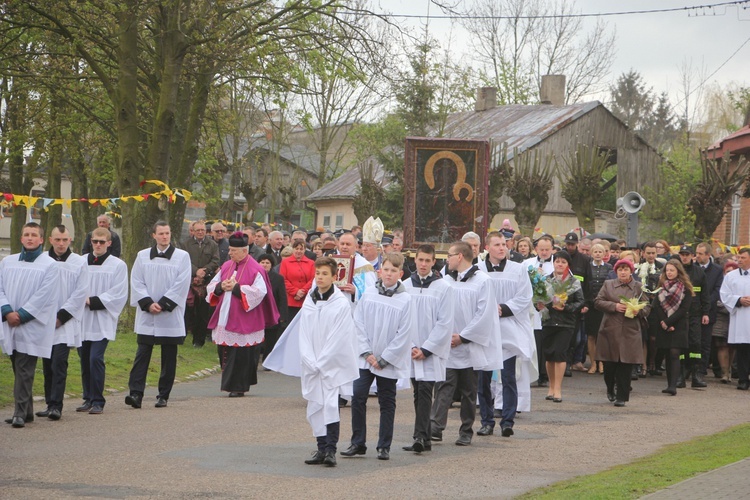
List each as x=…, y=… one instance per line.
x=71, y=300
x=476, y=343
x=28, y=299
x=159, y=284
x=106, y=296
x=543, y=246
x=512, y=291
x=735, y=295
x=431, y=298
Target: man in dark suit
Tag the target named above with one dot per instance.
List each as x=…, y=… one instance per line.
x=714, y=279
x=115, y=248
x=275, y=244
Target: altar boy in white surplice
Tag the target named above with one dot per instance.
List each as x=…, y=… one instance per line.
x=28, y=299
x=384, y=321
x=735, y=295
x=431, y=300
x=512, y=291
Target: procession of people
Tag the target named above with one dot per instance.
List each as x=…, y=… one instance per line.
x=480, y=326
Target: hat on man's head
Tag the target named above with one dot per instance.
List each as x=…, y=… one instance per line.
x=571, y=238
x=387, y=240
x=508, y=235
x=372, y=230
x=686, y=249
x=238, y=240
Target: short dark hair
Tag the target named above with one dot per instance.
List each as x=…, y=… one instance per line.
x=269, y=257
x=326, y=262
x=649, y=244
x=296, y=243
x=428, y=249
x=744, y=250
x=34, y=225
x=61, y=228
x=162, y=223
x=545, y=237
x=262, y=231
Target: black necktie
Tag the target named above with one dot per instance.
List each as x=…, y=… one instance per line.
x=745, y=273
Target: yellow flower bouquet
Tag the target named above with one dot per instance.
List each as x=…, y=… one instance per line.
x=633, y=306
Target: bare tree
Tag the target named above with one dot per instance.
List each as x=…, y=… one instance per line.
x=519, y=41
x=580, y=174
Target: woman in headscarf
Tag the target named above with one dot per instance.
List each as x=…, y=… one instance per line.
x=618, y=344
x=669, y=320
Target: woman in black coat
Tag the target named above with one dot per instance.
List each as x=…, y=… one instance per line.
x=669, y=318
x=278, y=288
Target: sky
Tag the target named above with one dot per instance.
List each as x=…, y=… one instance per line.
x=654, y=44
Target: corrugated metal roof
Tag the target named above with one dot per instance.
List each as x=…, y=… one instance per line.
x=516, y=125
x=345, y=185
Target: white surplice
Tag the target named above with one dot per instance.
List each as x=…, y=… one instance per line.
x=547, y=268
x=385, y=327
x=157, y=278
x=433, y=313
x=475, y=319
x=31, y=286
x=736, y=285
x=72, y=293
x=108, y=282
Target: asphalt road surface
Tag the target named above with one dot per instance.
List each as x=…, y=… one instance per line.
x=206, y=445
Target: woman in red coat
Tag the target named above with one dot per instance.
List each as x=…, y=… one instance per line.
x=298, y=272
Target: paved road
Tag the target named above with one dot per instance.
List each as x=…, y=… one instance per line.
x=207, y=445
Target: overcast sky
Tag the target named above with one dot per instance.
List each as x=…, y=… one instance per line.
x=655, y=44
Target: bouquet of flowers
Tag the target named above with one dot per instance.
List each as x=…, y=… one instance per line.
x=538, y=285
x=560, y=290
x=634, y=305
x=645, y=269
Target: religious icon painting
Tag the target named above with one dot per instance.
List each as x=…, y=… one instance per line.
x=344, y=269
x=446, y=185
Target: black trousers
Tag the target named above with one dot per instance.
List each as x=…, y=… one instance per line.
x=331, y=439
x=24, y=367
x=541, y=360
x=466, y=381
x=386, y=400
x=196, y=320
x=55, y=371
x=706, y=346
x=617, y=375
x=422, y=407
x=137, y=382
x=742, y=356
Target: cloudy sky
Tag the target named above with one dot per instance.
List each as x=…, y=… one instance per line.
x=655, y=44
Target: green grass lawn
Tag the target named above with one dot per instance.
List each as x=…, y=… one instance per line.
x=119, y=360
x=672, y=464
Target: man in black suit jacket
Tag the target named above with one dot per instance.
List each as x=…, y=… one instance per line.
x=115, y=248
x=714, y=278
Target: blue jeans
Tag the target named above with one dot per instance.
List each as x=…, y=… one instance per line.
x=93, y=370
x=387, y=402
x=510, y=392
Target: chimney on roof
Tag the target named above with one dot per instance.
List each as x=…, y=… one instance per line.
x=553, y=90
x=486, y=98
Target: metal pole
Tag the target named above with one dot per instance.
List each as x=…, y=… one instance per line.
x=632, y=230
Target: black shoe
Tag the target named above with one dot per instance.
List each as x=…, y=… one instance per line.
x=436, y=436
x=29, y=418
x=96, y=410
x=497, y=413
x=236, y=394
x=743, y=385
x=549, y=397
x=384, y=454
x=680, y=383
x=463, y=441
x=354, y=449
x=507, y=431
x=670, y=390
x=86, y=406
x=54, y=414
x=568, y=371
x=418, y=449
x=17, y=422
x=542, y=383
x=342, y=402
x=634, y=374
x=486, y=430
x=43, y=413
x=557, y=400
x=316, y=459
x=329, y=460
x=133, y=400
x=161, y=403
x=619, y=403
x=611, y=396
x=698, y=380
